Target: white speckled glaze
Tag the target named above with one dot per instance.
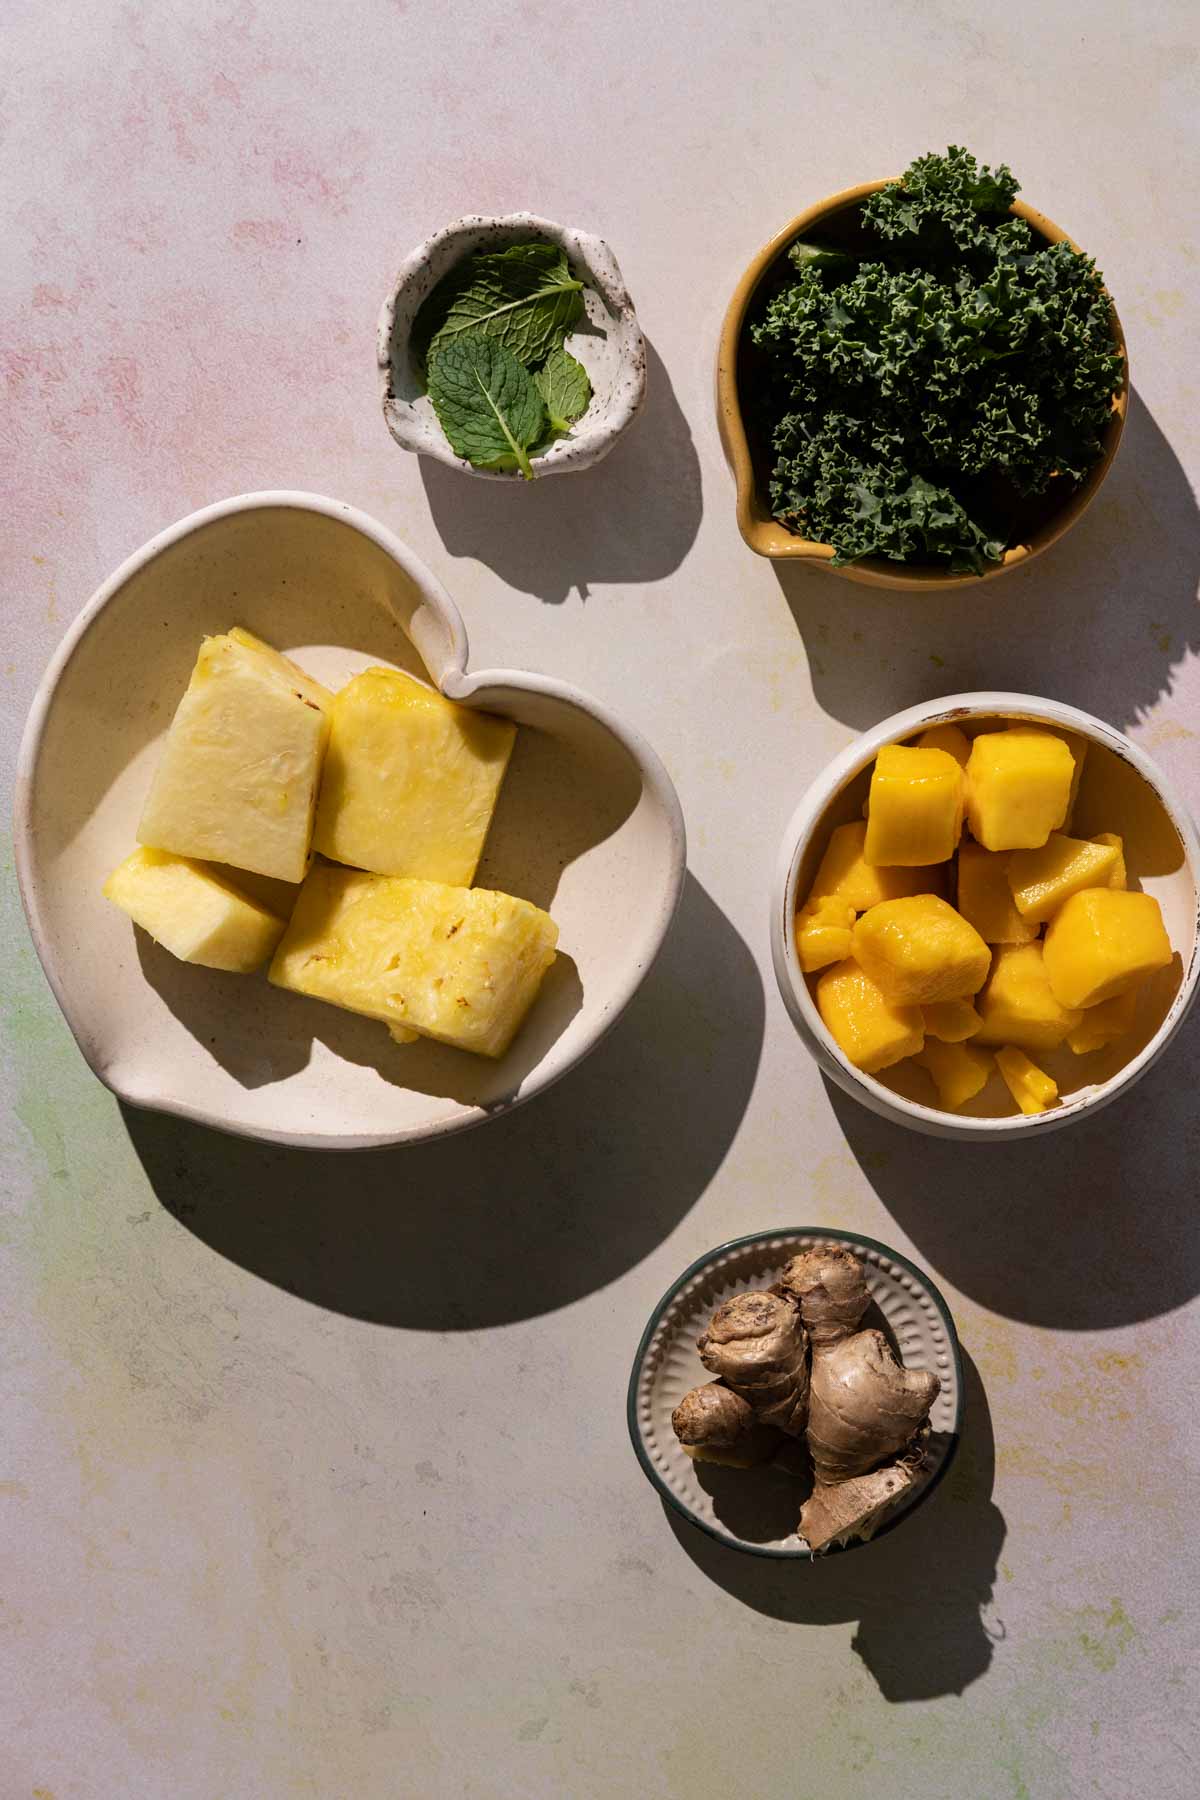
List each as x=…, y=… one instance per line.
x=610, y=347
x=667, y=1365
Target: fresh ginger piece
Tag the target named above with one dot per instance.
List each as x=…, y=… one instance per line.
x=1119, y=875
x=1031, y=1087
x=1018, y=787
x=193, y=912
x=949, y=738
x=915, y=808
x=1102, y=1025
x=713, y=1424
x=758, y=1346
x=863, y=1405
x=1102, y=942
x=846, y=875
x=1018, y=1005
x=959, y=1070
x=919, y=950
x=845, y=1512
x=951, y=1021
x=823, y=932
x=828, y=1285
x=871, y=1031
x=1042, y=879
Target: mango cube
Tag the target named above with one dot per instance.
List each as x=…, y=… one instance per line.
x=1078, y=746
x=1018, y=787
x=461, y=965
x=192, y=912
x=1031, y=1087
x=959, y=1071
x=949, y=738
x=951, y=1021
x=1118, y=875
x=919, y=950
x=1017, y=1004
x=1042, y=879
x=985, y=899
x=823, y=932
x=238, y=778
x=1102, y=942
x=846, y=874
x=1104, y=1024
x=411, y=780
x=871, y=1031
x=915, y=807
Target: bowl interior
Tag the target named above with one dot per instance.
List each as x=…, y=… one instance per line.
x=577, y=831
x=758, y=1509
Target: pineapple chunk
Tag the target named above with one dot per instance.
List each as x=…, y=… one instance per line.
x=844, y=873
x=1031, y=1087
x=951, y=1020
x=1102, y=942
x=192, y=912
x=871, y=1031
x=411, y=780
x=985, y=899
x=949, y=738
x=238, y=778
x=1102, y=1025
x=959, y=1071
x=462, y=965
x=1018, y=787
x=1119, y=875
x=823, y=932
x=915, y=807
x=1017, y=1005
x=1042, y=879
x=919, y=950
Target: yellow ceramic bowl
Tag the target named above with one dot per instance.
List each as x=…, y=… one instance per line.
x=767, y=536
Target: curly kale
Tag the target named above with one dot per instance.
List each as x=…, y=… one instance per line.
x=946, y=367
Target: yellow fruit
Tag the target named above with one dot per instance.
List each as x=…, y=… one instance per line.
x=1018, y=787
x=1031, y=1088
x=1102, y=942
x=1042, y=879
x=458, y=964
x=411, y=780
x=870, y=1030
x=238, y=778
x=959, y=1070
x=919, y=950
x=845, y=873
x=1101, y=1025
x=985, y=899
x=1119, y=876
x=823, y=932
x=951, y=1020
x=915, y=808
x=1017, y=1005
x=1078, y=746
x=192, y=912
x=949, y=738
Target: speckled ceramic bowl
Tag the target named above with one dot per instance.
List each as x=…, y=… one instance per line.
x=609, y=344
x=757, y=1510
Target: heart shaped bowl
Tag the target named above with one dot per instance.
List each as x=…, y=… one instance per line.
x=588, y=826
x=757, y=1510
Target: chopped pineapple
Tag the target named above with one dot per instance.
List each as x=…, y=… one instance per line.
x=915, y=807
x=871, y=1031
x=1102, y=942
x=411, y=779
x=985, y=899
x=959, y=1070
x=823, y=932
x=1042, y=879
x=1018, y=787
x=1031, y=1087
x=1101, y=1025
x=462, y=965
x=192, y=912
x=951, y=1020
x=1017, y=1005
x=845, y=874
x=949, y=738
x=238, y=778
x=919, y=950
x=1119, y=875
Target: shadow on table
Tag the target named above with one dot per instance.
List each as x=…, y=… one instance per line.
x=631, y=518
x=1098, y=621
x=522, y=1215
x=920, y=1594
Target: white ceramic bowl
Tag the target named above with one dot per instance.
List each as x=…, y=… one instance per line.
x=1123, y=791
x=757, y=1509
x=610, y=345
x=588, y=825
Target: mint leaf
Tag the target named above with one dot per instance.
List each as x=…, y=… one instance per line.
x=525, y=296
x=564, y=386
x=486, y=403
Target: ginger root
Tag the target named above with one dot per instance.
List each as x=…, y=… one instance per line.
x=716, y=1425
x=839, y=1512
x=828, y=1286
x=863, y=1406
x=758, y=1346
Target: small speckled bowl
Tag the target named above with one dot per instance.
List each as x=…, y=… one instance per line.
x=609, y=344
x=757, y=1510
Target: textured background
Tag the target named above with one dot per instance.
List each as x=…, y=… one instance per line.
x=314, y=1472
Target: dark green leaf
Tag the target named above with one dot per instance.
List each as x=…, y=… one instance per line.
x=525, y=296
x=486, y=403
x=564, y=386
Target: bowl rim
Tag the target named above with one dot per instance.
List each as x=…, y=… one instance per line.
x=801, y=1553
x=806, y=821
x=766, y=537
x=443, y=645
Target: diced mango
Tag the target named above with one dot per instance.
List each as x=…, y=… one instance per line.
x=1103, y=1024
x=1018, y=787
x=845, y=873
x=193, y=912
x=949, y=738
x=915, y=808
x=985, y=899
x=823, y=932
x=1042, y=879
x=919, y=950
x=1031, y=1087
x=1102, y=942
x=870, y=1030
x=952, y=1021
x=959, y=1070
x=1119, y=876
x=1078, y=746
x=1017, y=1004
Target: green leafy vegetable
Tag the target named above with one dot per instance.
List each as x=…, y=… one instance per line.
x=917, y=388
x=525, y=296
x=564, y=386
x=486, y=403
